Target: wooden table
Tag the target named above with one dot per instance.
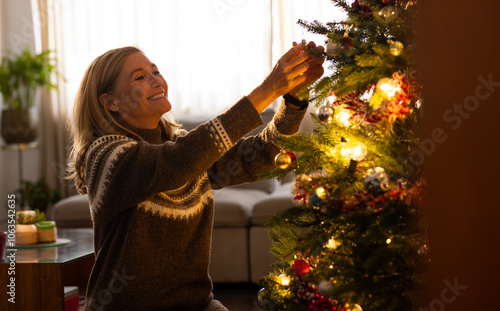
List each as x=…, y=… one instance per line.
x=42, y=273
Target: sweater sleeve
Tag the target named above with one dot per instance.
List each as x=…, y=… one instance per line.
x=253, y=155
x=122, y=172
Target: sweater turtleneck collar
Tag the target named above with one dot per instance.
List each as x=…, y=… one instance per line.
x=152, y=136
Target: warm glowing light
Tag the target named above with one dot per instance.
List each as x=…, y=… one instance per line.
x=387, y=87
x=354, y=150
x=331, y=244
x=388, y=241
x=356, y=307
x=418, y=103
x=343, y=117
x=284, y=279
x=321, y=192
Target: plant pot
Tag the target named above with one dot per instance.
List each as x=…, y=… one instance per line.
x=19, y=125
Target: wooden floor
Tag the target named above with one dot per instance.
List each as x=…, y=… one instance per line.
x=235, y=297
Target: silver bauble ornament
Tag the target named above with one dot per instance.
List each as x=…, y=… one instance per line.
x=333, y=48
x=376, y=181
x=325, y=113
x=326, y=288
x=261, y=301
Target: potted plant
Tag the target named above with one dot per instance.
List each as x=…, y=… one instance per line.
x=20, y=77
x=38, y=195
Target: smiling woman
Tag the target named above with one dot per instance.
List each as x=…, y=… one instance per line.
x=150, y=184
x=141, y=93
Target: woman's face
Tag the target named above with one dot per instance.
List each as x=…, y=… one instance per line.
x=141, y=93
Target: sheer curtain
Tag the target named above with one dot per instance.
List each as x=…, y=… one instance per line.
x=54, y=138
x=211, y=52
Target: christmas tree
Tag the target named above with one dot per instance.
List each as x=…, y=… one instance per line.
x=356, y=238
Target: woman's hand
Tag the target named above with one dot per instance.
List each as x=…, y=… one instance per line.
x=292, y=71
x=315, y=70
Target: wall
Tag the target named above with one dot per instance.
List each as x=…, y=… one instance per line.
x=458, y=56
x=16, y=31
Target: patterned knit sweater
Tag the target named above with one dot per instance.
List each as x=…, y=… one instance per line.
x=152, y=207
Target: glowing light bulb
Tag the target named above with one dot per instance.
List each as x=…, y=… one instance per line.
x=284, y=279
x=387, y=87
x=354, y=150
x=332, y=244
x=343, y=117
x=321, y=192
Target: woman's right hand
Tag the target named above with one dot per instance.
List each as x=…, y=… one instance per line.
x=285, y=76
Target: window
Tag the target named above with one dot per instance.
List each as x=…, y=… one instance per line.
x=211, y=52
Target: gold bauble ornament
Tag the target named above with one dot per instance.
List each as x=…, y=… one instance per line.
x=283, y=160
x=389, y=13
x=396, y=48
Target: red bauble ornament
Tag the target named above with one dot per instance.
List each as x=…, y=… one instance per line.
x=346, y=43
x=292, y=155
x=301, y=267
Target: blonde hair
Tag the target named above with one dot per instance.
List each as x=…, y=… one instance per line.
x=91, y=119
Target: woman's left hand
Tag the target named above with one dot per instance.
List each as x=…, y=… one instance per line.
x=315, y=70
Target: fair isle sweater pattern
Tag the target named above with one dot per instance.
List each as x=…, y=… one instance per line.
x=178, y=204
x=152, y=208
x=183, y=203
x=105, y=152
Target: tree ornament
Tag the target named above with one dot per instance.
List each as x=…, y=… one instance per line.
x=318, y=197
x=325, y=113
x=261, y=300
x=346, y=43
x=402, y=183
x=348, y=118
x=301, y=267
x=315, y=200
x=355, y=307
x=396, y=48
x=333, y=48
x=376, y=181
x=284, y=159
x=326, y=288
x=388, y=12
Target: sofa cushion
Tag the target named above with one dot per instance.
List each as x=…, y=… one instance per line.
x=72, y=212
x=233, y=206
x=277, y=201
x=267, y=185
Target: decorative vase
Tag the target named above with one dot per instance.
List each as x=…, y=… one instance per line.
x=19, y=125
